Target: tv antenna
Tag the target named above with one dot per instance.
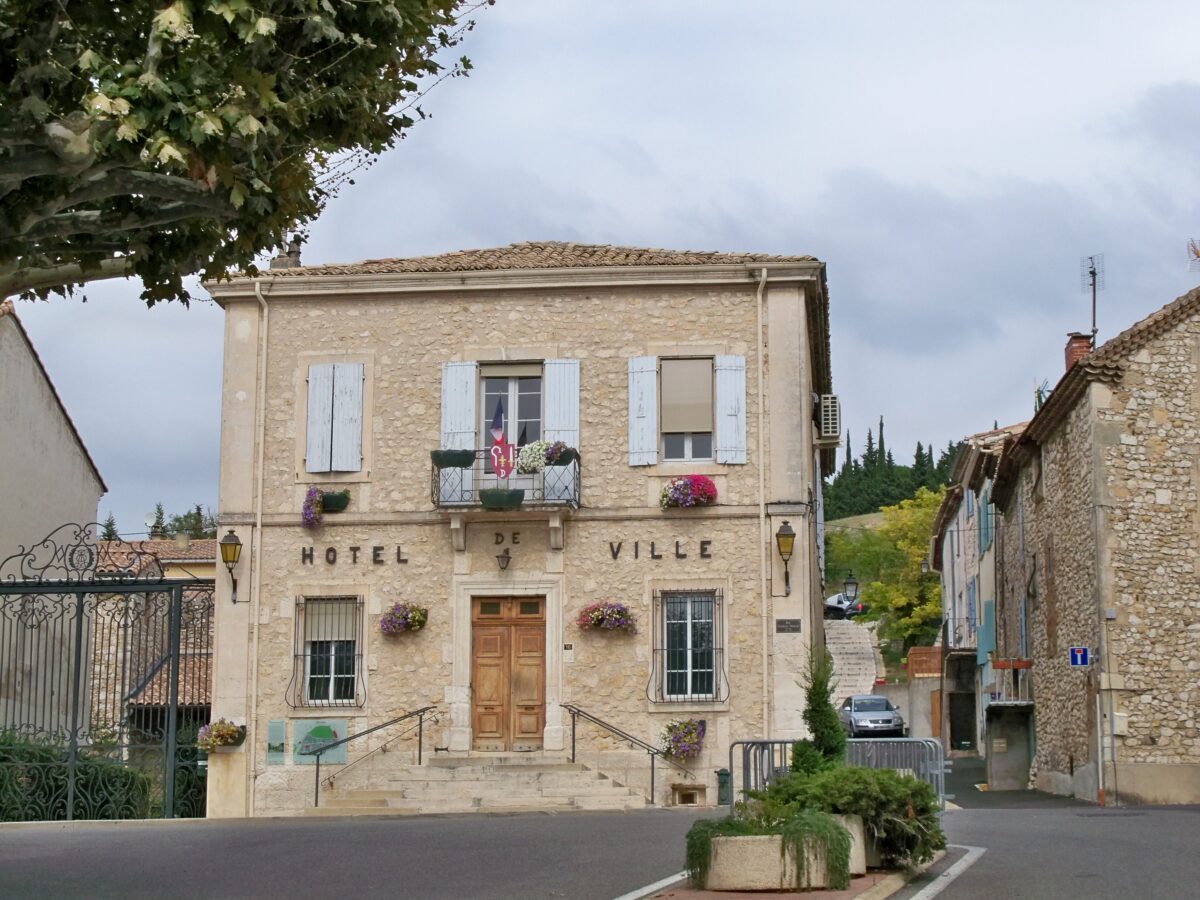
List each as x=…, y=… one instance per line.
x=1091, y=275
x=1194, y=255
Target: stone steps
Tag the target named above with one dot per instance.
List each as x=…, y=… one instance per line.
x=480, y=784
x=852, y=648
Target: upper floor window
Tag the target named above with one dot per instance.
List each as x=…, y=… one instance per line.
x=511, y=405
x=686, y=407
x=335, y=415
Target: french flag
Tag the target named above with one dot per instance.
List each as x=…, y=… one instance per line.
x=498, y=424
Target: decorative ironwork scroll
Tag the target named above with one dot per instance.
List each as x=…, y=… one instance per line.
x=71, y=554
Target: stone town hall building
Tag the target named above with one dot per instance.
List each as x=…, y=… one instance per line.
x=653, y=365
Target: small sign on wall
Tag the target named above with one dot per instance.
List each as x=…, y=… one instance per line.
x=787, y=626
x=276, y=742
x=312, y=733
x=1079, y=657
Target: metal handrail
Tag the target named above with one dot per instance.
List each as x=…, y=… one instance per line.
x=419, y=713
x=383, y=748
x=650, y=749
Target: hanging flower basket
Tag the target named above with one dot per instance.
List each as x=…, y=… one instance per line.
x=688, y=490
x=220, y=735
x=335, y=501
x=501, y=498
x=403, y=618
x=683, y=738
x=453, y=459
x=559, y=454
x=314, y=507
x=607, y=617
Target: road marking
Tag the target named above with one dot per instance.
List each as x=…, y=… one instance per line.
x=651, y=888
x=943, y=881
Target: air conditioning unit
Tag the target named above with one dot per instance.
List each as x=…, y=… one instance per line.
x=830, y=421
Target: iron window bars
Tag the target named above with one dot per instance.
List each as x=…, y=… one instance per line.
x=328, y=663
x=688, y=630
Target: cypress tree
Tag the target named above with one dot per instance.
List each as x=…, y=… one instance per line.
x=109, y=531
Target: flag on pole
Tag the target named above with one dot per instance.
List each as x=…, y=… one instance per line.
x=497, y=428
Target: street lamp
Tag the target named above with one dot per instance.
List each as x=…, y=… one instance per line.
x=850, y=587
x=231, y=552
x=785, y=540
x=925, y=567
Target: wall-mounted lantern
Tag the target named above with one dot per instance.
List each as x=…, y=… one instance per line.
x=785, y=540
x=504, y=559
x=231, y=552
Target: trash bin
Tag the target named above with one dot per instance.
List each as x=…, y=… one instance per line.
x=722, y=787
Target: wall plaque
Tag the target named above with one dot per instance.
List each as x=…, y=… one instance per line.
x=787, y=626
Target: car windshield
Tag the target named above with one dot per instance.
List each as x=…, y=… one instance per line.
x=872, y=704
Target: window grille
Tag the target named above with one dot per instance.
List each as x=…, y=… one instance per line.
x=328, y=663
x=689, y=647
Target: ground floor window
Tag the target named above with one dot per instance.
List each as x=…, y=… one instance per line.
x=689, y=647
x=327, y=669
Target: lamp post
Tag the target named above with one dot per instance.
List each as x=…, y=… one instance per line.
x=850, y=587
x=785, y=540
x=231, y=552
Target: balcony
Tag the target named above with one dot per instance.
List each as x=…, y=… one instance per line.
x=960, y=634
x=463, y=488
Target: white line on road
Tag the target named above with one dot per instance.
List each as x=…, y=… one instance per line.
x=651, y=888
x=942, y=882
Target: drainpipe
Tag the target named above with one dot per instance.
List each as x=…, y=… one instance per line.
x=260, y=427
x=762, y=512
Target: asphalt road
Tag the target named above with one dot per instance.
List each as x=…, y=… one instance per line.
x=590, y=856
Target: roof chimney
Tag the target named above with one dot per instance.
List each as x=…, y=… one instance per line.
x=289, y=259
x=1079, y=345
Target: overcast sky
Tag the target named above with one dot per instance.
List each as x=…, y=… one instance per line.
x=949, y=161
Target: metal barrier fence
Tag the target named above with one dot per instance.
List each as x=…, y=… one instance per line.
x=922, y=758
x=764, y=761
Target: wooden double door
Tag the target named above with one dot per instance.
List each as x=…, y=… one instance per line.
x=508, y=672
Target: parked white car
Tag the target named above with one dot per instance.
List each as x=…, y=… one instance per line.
x=839, y=606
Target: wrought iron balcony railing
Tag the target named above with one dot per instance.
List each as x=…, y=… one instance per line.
x=476, y=486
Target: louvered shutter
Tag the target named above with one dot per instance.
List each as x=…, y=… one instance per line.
x=729, y=436
x=346, y=453
x=643, y=410
x=560, y=417
x=459, y=388
x=318, y=446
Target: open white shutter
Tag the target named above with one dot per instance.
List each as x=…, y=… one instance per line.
x=560, y=392
x=317, y=450
x=346, y=454
x=729, y=433
x=458, y=406
x=560, y=418
x=643, y=410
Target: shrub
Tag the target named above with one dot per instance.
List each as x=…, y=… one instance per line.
x=807, y=758
x=900, y=812
x=803, y=827
x=819, y=713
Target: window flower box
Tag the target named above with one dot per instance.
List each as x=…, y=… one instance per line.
x=453, y=459
x=334, y=501
x=683, y=738
x=687, y=491
x=559, y=454
x=501, y=498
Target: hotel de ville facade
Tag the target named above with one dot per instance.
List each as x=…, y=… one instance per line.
x=654, y=378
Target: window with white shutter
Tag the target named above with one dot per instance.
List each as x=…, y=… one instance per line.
x=643, y=411
x=729, y=431
x=335, y=418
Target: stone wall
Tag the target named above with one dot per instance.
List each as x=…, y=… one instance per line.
x=1149, y=446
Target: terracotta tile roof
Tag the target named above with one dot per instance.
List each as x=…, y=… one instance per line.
x=197, y=549
x=195, y=683
x=537, y=255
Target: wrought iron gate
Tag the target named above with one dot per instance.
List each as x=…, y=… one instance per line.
x=105, y=678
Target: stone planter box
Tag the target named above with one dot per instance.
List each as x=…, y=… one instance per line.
x=759, y=863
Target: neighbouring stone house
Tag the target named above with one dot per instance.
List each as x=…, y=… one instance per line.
x=47, y=480
x=654, y=365
x=1098, y=553
x=963, y=551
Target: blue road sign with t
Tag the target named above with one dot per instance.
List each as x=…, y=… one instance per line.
x=1079, y=657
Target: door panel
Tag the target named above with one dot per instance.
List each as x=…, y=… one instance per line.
x=508, y=673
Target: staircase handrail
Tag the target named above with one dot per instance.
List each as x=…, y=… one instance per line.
x=651, y=751
x=329, y=745
x=382, y=748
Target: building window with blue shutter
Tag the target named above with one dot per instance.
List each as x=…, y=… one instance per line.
x=686, y=408
x=510, y=406
x=334, y=438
